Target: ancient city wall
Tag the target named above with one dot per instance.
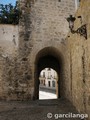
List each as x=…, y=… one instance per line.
x=42, y=31
x=79, y=57
x=8, y=51
x=9, y=38
x=43, y=26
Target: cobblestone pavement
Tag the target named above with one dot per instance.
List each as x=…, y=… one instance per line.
x=35, y=110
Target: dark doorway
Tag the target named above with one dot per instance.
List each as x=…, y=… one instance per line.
x=48, y=58
x=49, y=83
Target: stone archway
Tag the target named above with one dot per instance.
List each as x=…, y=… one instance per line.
x=48, y=57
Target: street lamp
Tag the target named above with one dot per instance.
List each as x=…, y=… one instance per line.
x=81, y=30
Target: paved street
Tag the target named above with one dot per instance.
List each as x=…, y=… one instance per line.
x=46, y=95
x=36, y=110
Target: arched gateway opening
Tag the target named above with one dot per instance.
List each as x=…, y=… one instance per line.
x=48, y=84
x=48, y=57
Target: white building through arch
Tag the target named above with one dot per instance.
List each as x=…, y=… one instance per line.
x=48, y=82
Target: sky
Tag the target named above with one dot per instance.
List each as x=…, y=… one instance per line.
x=7, y=1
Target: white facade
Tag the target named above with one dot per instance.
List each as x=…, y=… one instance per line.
x=48, y=78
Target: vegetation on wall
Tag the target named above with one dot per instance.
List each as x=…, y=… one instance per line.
x=9, y=14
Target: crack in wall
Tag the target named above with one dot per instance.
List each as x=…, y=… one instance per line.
x=84, y=75
x=71, y=71
x=83, y=64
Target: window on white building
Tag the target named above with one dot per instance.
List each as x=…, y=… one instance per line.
x=53, y=83
x=44, y=82
x=49, y=84
x=43, y=74
x=49, y=75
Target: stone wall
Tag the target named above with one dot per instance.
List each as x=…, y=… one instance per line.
x=9, y=38
x=42, y=31
x=43, y=25
x=79, y=60
x=8, y=53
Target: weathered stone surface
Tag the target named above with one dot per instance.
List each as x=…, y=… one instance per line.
x=42, y=34
x=79, y=61
x=42, y=24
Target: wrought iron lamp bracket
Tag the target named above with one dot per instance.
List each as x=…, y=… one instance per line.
x=81, y=30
